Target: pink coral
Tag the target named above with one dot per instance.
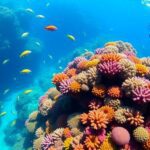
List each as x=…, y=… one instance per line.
x=109, y=68
x=141, y=95
x=64, y=86
x=120, y=136
x=47, y=142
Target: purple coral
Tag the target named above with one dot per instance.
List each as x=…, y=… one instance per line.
x=99, y=50
x=64, y=86
x=47, y=142
x=109, y=68
x=141, y=94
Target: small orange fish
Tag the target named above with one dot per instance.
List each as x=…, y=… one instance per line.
x=51, y=28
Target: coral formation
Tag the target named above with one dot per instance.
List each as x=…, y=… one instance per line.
x=104, y=103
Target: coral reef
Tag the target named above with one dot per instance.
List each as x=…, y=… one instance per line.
x=102, y=103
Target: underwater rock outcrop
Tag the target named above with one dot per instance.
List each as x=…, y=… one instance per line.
x=103, y=103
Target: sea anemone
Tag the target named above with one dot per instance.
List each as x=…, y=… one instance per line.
x=99, y=91
x=75, y=87
x=120, y=136
x=114, y=92
x=109, y=68
x=141, y=70
x=59, y=78
x=141, y=134
x=110, y=57
x=141, y=95
x=97, y=119
x=109, y=111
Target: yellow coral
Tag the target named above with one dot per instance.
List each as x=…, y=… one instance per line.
x=107, y=145
x=75, y=87
x=67, y=143
x=110, y=44
x=91, y=63
x=98, y=91
x=141, y=69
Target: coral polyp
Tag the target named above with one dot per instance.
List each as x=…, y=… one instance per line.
x=103, y=103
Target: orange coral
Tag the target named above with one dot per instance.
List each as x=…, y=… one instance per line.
x=67, y=133
x=96, y=56
x=82, y=64
x=91, y=63
x=114, y=92
x=71, y=72
x=98, y=119
x=146, y=144
x=75, y=87
x=109, y=111
x=98, y=91
x=135, y=60
x=92, y=142
x=51, y=148
x=141, y=69
x=84, y=118
x=79, y=147
x=110, y=57
x=59, y=78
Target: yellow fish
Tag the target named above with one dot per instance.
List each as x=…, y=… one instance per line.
x=5, y=61
x=3, y=114
x=25, y=71
x=13, y=123
x=71, y=37
x=25, y=53
x=27, y=91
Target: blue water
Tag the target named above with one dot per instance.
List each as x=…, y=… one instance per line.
x=92, y=23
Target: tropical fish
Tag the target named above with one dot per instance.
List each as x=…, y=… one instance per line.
x=27, y=91
x=5, y=61
x=50, y=56
x=25, y=71
x=25, y=53
x=40, y=16
x=71, y=37
x=25, y=34
x=29, y=10
x=51, y=28
x=6, y=91
x=3, y=114
x=13, y=123
x=37, y=43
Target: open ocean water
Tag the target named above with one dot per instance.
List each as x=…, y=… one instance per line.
x=22, y=31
